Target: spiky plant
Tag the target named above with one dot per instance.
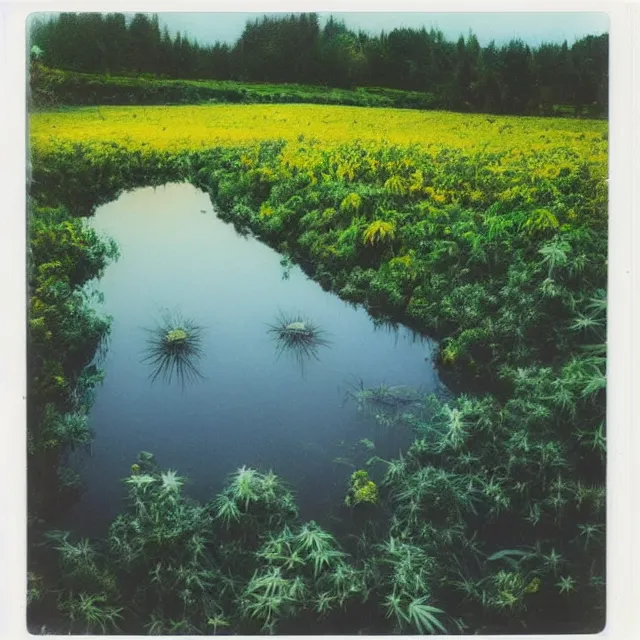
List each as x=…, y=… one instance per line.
x=268, y=598
x=226, y=509
x=171, y=483
x=90, y=612
x=323, y=603
x=394, y=608
x=455, y=426
x=218, y=622
x=396, y=471
x=346, y=581
x=301, y=566
x=311, y=537
x=424, y=617
x=566, y=584
x=173, y=348
x=324, y=559
x=140, y=482
x=254, y=501
x=591, y=532
x=244, y=486
x=299, y=336
x=67, y=429
x=78, y=560
x=270, y=486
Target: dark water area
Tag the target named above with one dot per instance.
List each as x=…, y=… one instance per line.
x=251, y=407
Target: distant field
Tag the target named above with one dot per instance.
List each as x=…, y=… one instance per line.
x=52, y=88
x=178, y=128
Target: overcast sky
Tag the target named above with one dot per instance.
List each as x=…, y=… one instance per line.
x=533, y=28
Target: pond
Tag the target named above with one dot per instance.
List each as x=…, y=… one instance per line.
x=252, y=405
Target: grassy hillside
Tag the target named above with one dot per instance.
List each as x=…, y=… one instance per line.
x=52, y=87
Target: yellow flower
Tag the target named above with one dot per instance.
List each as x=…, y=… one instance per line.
x=352, y=202
x=266, y=210
x=378, y=230
x=189, y=128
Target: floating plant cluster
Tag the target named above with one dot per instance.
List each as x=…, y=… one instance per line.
x=175, y=345
x=298, y=336
x=173, y=348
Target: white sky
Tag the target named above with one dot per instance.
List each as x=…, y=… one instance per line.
x=533, y=28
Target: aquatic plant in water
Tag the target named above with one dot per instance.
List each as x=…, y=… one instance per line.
x=389, y=405
x=253, y=499
x=367, y=444
x=362, y=490
x=173, y=346
x=301, y=565
x=298, y=336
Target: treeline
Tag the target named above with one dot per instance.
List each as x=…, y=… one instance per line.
x=463, y=75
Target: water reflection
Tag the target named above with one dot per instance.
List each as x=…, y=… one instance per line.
x=287, y=264
x=173, y=348
x=385, y=324
x=299, y=337
x=263, y=413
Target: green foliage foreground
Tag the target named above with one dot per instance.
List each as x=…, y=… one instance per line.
x=492, y=521
x=64, y=332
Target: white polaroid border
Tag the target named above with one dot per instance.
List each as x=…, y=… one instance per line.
x=623, y=573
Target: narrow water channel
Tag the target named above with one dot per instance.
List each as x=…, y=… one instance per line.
x=251, y=407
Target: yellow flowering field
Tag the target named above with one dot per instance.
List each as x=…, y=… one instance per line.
x=182, y=128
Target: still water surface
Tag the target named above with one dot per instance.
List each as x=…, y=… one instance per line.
x=251, y=408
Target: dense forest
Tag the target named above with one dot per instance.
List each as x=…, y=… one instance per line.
x=512, y=79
